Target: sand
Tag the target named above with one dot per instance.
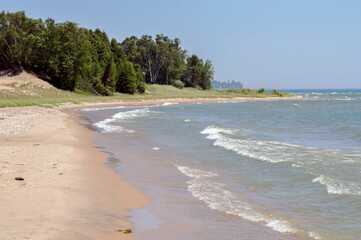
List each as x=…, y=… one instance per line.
x=67, y=192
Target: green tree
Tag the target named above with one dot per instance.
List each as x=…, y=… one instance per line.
x=192, y=71
x=206, y=72
x=108, y=80
x=127, y=78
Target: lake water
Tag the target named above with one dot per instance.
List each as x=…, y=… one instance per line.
x=288, y=169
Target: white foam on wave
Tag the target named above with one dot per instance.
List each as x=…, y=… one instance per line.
x=262, y=150
x=188, y=120
x=299, y=156
x=129, y=115
x=314, y=235
x=103, y=108
x=338, y=187
x=169, y=103
x=195, y=173
x=317, y=93
x=218, y=197
x=156, y=148
x=107, y=126
x=344, y=99
x=231, y=101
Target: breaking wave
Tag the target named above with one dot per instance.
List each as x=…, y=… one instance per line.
x=108, y=126
x=338, y=187
x=217, y=196
x=169, y=103
x=313, y=160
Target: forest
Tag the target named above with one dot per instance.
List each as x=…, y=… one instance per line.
x=83, y=60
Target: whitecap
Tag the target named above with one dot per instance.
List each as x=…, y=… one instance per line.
x=169, y=103
x=218, y=197
x=107, y=126
x=156, y=148
x=128, y=115
x=195, y=173
x=262, y=150
x=314, y=235
x=338, y=187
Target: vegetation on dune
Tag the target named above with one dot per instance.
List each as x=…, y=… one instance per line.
x=76, y=58
x=88, y=67
x=54, y=97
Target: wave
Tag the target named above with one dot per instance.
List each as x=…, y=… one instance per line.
x=169, y=103
x=262, y=150
x=107, y=126
x=315, y=160
x=218, y=197
x=129, y=115
x=231, y=101
x=338, y=187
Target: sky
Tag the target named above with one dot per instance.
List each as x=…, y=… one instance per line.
x=282, y=44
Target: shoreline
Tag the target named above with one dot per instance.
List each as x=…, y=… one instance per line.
x=67, y=191
x=149, y=102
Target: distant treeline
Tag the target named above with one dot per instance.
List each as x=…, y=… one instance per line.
x=77, y=58
x=227, y=85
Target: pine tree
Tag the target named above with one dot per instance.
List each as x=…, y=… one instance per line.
x=127, y=78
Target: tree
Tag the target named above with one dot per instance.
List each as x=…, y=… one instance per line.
x=108, y=76
x=76, y=58
x=174, y=65
x=127, y=78
x=192, y=71
x=198, y=73
x=206, y=73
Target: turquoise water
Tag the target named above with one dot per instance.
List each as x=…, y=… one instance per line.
x=242, y=170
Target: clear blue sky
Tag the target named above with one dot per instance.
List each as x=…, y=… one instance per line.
x=270, y=43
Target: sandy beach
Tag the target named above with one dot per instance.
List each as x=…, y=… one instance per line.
x=67, y=192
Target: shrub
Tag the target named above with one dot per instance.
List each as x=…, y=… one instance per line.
x=142, y=87
x=275, y=92
x=246, y=90
x=178, y=84
x=127, y=78
x=100, y=89
x=260, y=90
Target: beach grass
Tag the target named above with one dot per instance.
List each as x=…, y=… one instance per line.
x=30, y=95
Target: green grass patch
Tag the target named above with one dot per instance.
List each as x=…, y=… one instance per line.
x=29, y=95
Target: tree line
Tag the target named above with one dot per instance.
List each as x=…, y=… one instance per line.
x=76, y=58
